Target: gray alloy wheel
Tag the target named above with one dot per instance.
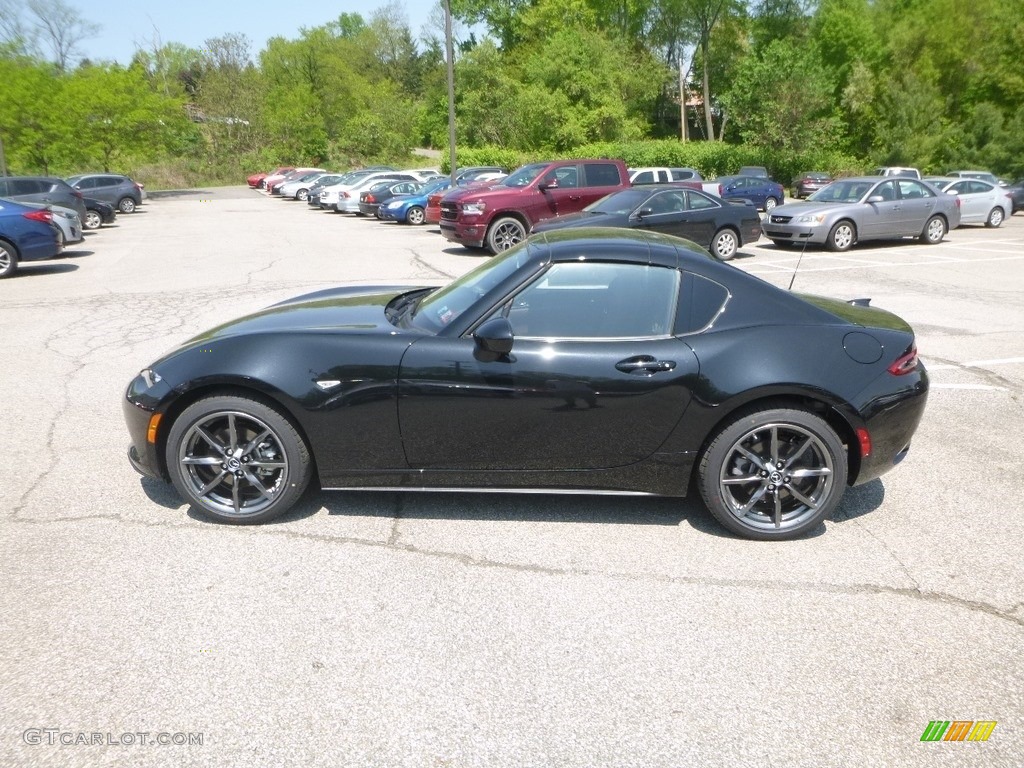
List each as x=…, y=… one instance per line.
x=415, y=215
x=995, y=217
x=92, y=220
x=842, y=236
x=725, y=244
x=769, y=204
x=505, y=233
x=302, y=194
x=773, y=474
x=8, y=259
x=934, y=231
x=126, y=205
x=236, y=459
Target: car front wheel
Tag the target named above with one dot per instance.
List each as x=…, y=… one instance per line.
x=841, y=237
x=505, y=233
x=725, y=244
x=126, y=205
x=934, y=231
x=238, y=460
x=415, y=216
x=770, y=204
x=773, y=474
x=302, y=194
x=995, y=217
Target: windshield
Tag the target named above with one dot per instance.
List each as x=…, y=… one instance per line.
x=842, y=192
x=445, y=304
x=522, y=176
x=619, y=202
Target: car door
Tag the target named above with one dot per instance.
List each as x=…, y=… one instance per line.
x=594, y=379
x=664, y=212
x=917, y=203
x=880, y=218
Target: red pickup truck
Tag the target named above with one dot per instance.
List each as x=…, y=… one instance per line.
x=497, y=217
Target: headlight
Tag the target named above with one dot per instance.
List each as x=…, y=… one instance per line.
x=150, y=376
x=811, y=218
x=473, y=209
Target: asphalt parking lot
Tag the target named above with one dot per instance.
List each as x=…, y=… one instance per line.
x=475, y=630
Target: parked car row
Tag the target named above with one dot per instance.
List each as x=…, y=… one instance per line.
x=41, y=215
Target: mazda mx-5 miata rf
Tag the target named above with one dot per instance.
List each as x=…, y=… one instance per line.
x=584, y=361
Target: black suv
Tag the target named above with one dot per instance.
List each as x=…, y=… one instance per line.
x=42, y=189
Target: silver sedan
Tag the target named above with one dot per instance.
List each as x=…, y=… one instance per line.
x=980, y=201
x=850, y=211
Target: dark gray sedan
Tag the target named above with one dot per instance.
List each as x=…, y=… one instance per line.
x=720, y=226
x=851, y=211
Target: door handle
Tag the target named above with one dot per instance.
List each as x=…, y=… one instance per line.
x=575, y=197
x=645, y=365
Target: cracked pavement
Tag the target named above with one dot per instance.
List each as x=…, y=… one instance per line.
x=446, y=629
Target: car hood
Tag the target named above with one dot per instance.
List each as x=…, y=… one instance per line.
x=355, y=309
x=805, y=208
x=867, y=317
x=473, y=191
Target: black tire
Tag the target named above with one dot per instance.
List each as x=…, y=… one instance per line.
x=763, y=497
x=725, y=244
x=302, y=194
x=92, y=220
x=995, y=218
x=238, y=460
x=126, y=205
x=769, y=204
x=504, y=233
x=415, y=216
x=8, y=259
x=934, y=230
x=842, y=236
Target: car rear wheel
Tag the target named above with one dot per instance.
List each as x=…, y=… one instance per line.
x=92, y=220
x=505, y=233
x=995, y=217
x=773, y=474
x=725, y=244
x=770, y=204
x=934, y=231
x=415, y=215
x=8, y=259
x=126, y=205
x=842, y=236
x=238, y=460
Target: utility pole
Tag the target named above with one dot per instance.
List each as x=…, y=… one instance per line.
x=451, y=84
x=683, y=127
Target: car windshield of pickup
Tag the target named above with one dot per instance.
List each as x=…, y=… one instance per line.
x=522, y=176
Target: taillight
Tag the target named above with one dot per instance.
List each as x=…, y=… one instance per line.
x=371, y=199
x=721, y=190
x=905, y=363
x=957, y=199
x=39, y=215
x=864, y=440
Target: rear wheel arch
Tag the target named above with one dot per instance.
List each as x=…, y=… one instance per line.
x=9, y=262
x=821, y=408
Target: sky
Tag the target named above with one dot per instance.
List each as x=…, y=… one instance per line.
x=127, y=25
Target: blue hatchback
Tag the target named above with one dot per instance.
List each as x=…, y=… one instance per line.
x=409, y=209
x=26, y=234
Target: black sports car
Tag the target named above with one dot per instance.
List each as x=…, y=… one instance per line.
x=591, y=360
x=709, y=221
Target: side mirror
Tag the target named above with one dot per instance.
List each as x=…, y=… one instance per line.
x=876, y=199
x=549, y=183
x=494, y=338
x=644, y=212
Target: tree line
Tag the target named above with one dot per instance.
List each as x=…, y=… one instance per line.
x=853, y=83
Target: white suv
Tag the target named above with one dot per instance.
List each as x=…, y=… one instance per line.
x=911, y=173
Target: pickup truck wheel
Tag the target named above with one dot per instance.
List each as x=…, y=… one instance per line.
x=505, y=233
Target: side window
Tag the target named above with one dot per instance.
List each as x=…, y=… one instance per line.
x=667, y=202
x=977, y=187
x=601, y=175
x=589, y=300
x=25, y=187
x=644, y=177
x=3, y=188
x=887, y=191
x=699, y=202
x=681, y=174
x=701, y=301
x=910, y=190
x=568, y=177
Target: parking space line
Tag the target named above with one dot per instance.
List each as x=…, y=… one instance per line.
x=929, y=263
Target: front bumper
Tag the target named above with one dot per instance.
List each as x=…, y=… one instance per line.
x=472, y=235
x=794, y=233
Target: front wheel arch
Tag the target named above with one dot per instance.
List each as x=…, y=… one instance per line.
x=178, y=406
